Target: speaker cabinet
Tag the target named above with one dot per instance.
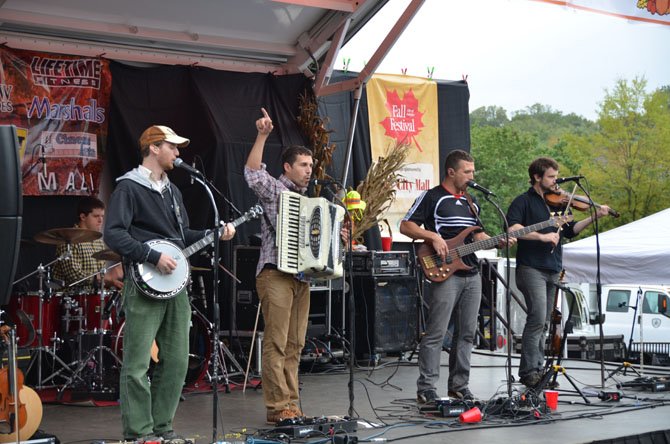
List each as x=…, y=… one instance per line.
x=386, y=314
x=11, y=208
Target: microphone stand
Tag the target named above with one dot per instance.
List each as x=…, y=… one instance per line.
x=216, y=321
x=348, y=274
x=508, y=298
x=599, y=288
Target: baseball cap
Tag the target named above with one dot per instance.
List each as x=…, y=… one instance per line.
x=159, y=133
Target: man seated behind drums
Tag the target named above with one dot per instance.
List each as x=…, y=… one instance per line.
x=82, y=264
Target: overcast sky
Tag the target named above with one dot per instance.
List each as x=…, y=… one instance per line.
x=519, y=52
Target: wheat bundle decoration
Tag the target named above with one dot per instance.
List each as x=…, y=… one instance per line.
x=379, y=187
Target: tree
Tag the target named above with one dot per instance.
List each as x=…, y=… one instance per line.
x=627, y=161
x=502, y=156
x=495, y=116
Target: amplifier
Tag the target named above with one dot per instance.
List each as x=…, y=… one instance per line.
x=381, y=263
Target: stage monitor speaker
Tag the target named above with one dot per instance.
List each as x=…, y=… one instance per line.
x=11, y=208
x=386, y=314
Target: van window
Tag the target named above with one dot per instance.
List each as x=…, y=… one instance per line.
x=650, y=304
x=617, y=300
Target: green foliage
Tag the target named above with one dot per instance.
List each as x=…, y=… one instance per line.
x=628, y=160
x=625, y=154
x=495, y=116
x=501, y=158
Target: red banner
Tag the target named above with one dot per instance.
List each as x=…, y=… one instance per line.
x=59, y=105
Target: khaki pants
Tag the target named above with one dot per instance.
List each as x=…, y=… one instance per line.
x=285, y=305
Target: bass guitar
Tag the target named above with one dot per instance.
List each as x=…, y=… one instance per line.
x=437, y=270
x=156, y=285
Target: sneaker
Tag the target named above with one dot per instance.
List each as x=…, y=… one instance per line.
x=426, y=397
x=463, y=394
x=170, y=437
x=531, y=379
x=273, y=417
x=296, y=410
x=144, y=439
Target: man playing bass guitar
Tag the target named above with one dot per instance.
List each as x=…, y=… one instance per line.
x=439, y=214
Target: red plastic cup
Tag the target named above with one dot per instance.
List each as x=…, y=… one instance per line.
x=471, y=416
x=386, y=243
x=551, y=398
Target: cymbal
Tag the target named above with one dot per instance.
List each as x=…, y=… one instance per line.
x=107, y=255
x=59, y=236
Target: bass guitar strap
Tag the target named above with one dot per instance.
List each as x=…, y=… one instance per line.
x=473, y=209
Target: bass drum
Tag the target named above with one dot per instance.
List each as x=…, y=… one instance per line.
x=199, y=349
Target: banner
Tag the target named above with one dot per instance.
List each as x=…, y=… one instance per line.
x=59, y=105
x=404, y=109
x=646, y=11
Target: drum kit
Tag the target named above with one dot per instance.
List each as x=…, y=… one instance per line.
x=67, y=329
x=75, y=337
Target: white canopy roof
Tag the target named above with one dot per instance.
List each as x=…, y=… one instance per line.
x=638, y=252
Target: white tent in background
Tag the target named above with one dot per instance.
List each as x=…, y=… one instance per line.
x=638, y=253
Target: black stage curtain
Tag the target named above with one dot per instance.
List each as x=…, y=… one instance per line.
x=217, y=111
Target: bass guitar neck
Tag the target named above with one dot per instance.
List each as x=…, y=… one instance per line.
x=436, y=269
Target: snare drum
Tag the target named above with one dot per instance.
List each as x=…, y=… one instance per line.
x=24, y=309
x=199, y=348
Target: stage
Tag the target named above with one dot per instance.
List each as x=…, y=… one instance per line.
x=384, y=403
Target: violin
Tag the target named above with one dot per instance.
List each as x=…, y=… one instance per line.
x=8, y=397
x=559, y=199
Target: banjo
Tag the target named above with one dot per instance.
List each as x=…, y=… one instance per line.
x=156, y=285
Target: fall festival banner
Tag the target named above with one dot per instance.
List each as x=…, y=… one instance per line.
x=59, y=105
x=404, y=109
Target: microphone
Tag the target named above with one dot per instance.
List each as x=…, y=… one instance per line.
x=179, y=163
x=569, y=179
x=476, y=186
x=317, y=182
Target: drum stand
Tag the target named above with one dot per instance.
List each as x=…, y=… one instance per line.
x=100, y=349
x=37, y=357
x=217, y=362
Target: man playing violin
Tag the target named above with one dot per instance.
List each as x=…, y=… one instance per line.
x=539, y=262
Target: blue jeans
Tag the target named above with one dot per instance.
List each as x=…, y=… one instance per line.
x=538, y=291
x=462, y=296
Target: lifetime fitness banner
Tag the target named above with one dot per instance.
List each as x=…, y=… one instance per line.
x=404, y=108
x=59, y=105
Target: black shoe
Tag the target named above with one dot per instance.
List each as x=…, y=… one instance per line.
x=426, y=397
x=531, y=379
x=553, y=385
x=463, y=394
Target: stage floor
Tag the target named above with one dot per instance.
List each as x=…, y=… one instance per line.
x=385, y=397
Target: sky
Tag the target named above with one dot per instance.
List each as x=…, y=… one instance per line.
x=516, y=53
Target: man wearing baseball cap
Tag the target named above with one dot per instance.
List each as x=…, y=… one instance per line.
x=146, y=206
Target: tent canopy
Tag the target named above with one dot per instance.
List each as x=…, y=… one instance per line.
x=636, y=253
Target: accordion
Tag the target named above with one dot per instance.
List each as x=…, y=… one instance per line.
x=308, y=236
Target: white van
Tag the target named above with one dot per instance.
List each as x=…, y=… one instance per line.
x=640, y=309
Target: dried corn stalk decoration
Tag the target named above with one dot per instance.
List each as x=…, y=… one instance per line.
x=379, y=187
x=313, y=128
